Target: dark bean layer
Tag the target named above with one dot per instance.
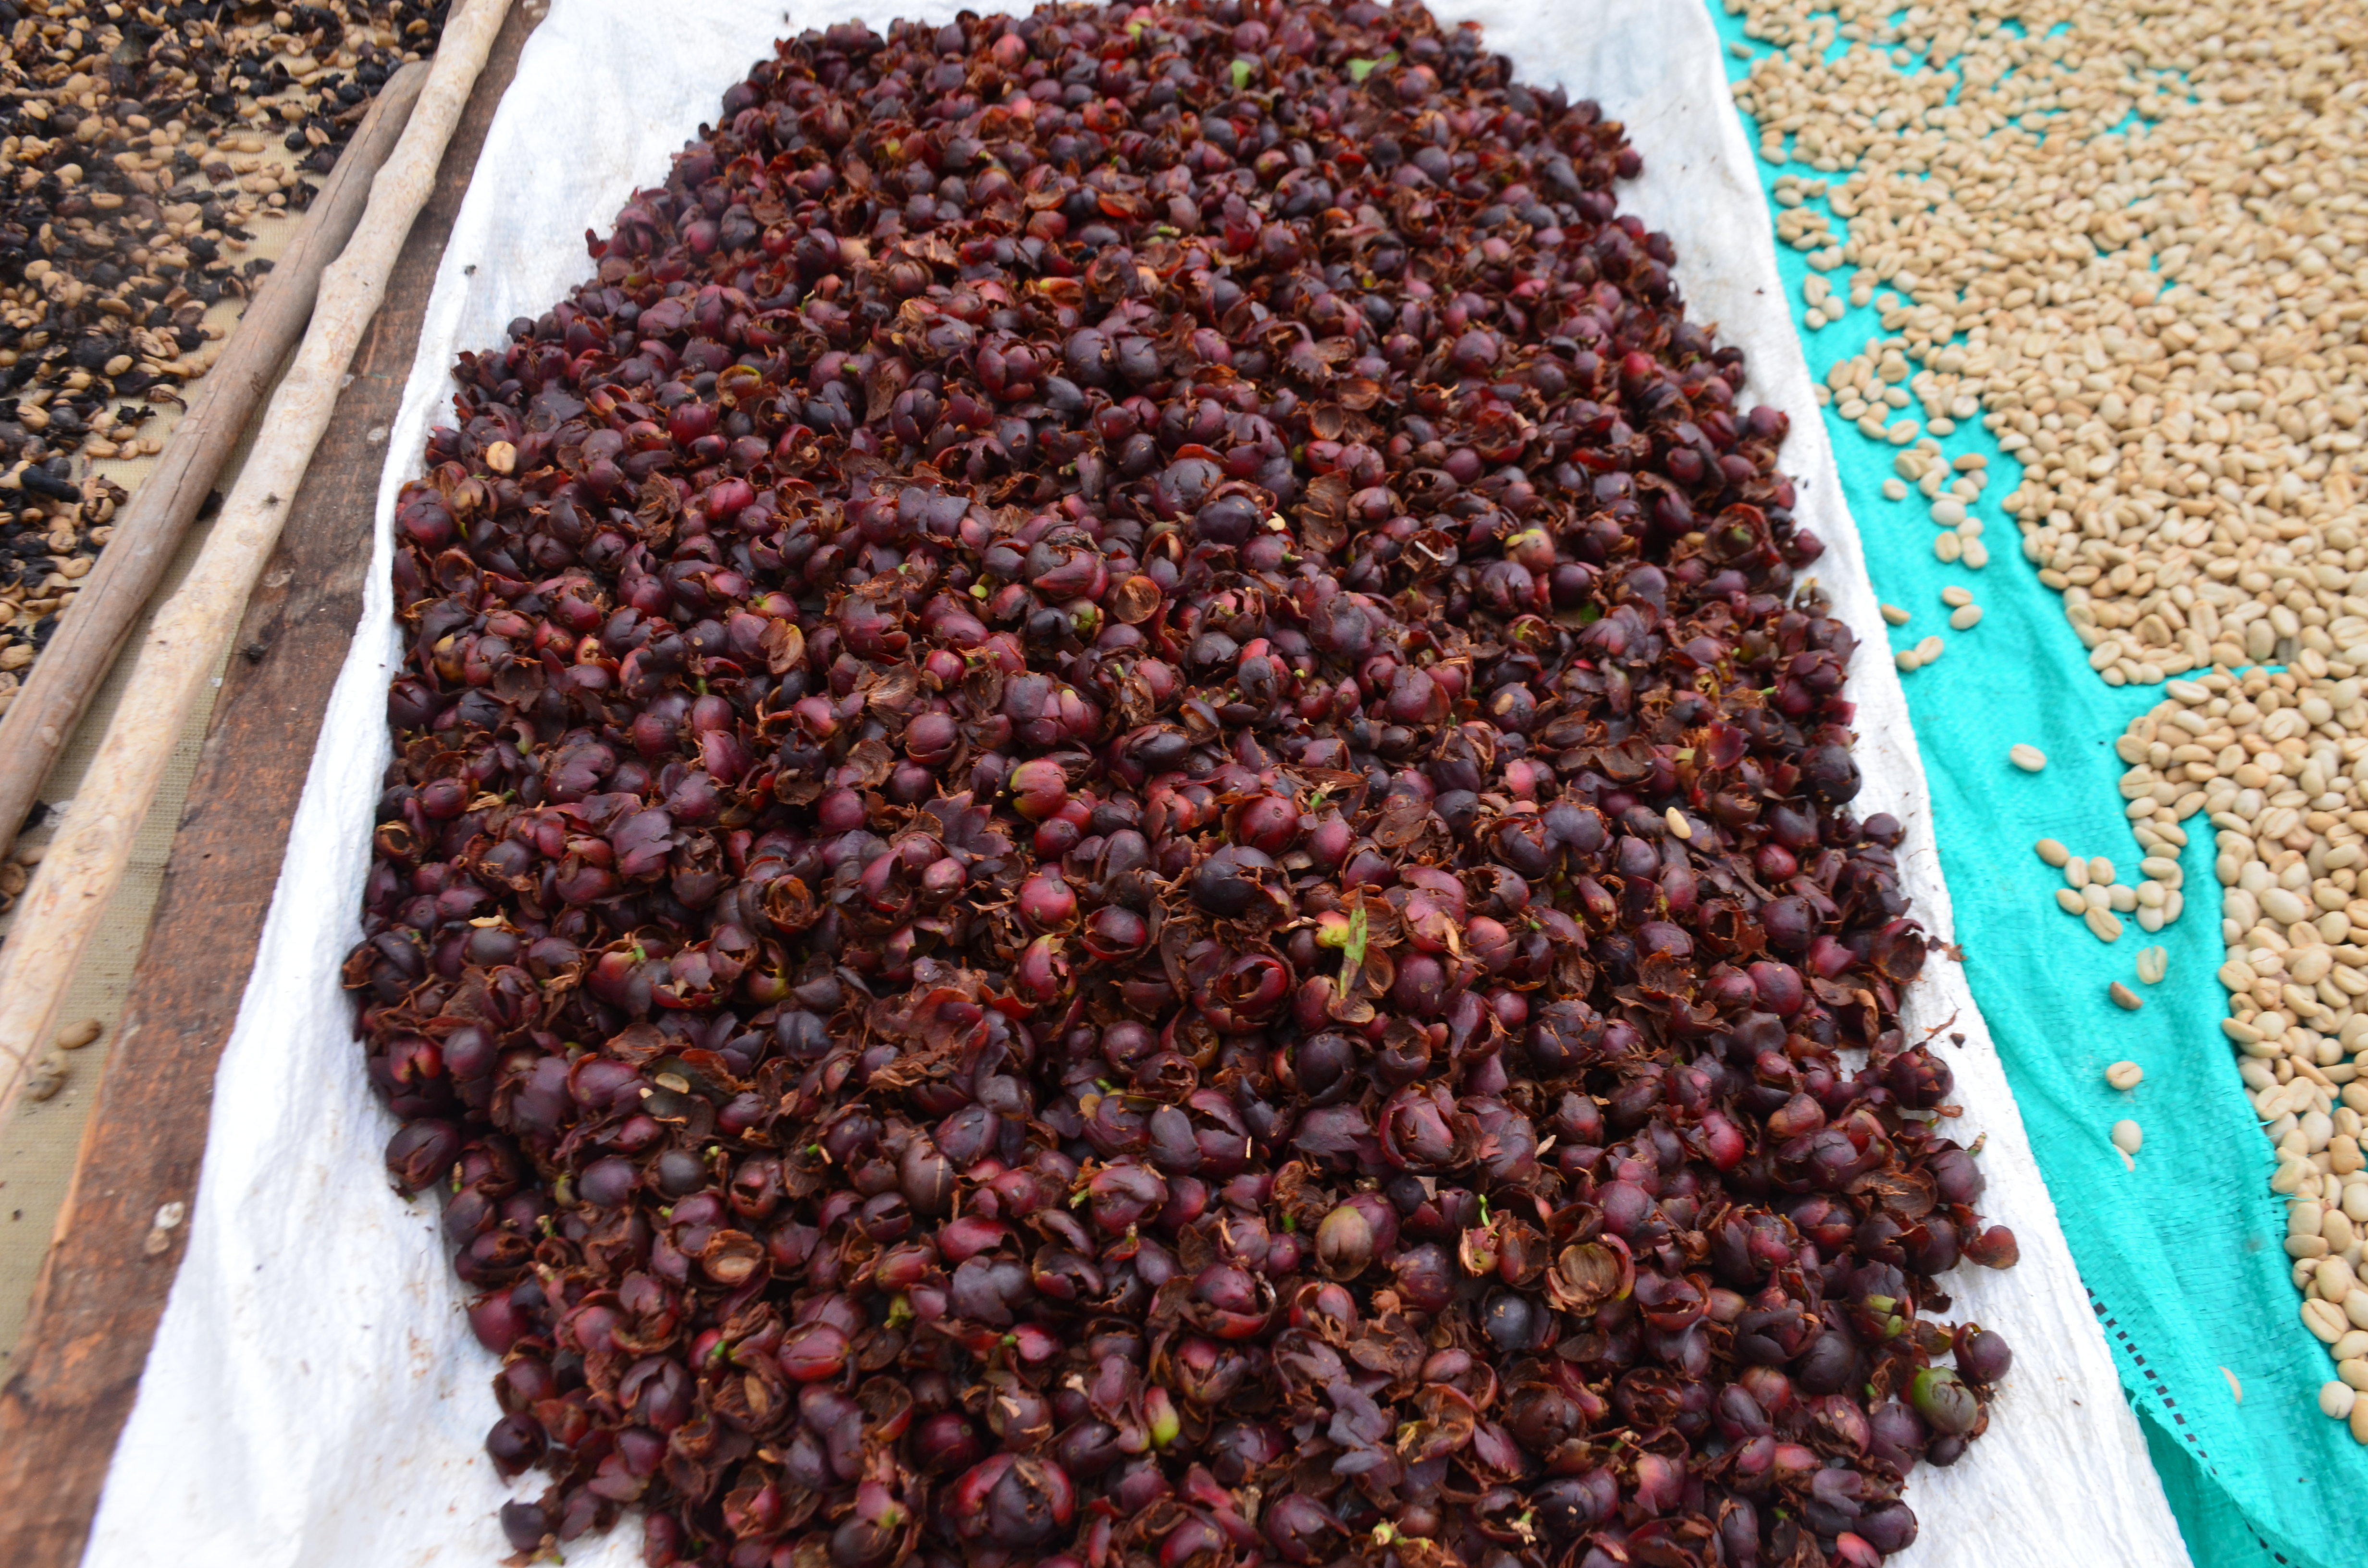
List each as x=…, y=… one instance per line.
x=1116, y=837
x=139, y=160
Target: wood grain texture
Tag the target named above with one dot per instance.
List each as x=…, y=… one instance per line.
x=152, y=524
x=102, y=1290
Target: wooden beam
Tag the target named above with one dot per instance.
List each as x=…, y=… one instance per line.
x=102, y=1288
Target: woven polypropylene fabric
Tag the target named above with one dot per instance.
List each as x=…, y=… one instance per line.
x=2182, y=1256
x=314, y=1395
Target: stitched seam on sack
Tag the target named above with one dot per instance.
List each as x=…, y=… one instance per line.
x=2161, y=1391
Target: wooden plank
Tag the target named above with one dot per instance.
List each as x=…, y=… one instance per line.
x=103, y=1285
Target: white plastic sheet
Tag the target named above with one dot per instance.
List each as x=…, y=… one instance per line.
x=313, y=1396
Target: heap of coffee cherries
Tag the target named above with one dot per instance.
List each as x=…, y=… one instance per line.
x=1116, y=837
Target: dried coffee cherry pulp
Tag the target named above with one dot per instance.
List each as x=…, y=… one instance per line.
x=1117, y=838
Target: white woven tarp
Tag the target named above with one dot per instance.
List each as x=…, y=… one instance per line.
x=315, y=1396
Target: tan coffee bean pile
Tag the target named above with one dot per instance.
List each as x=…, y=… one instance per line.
x=2160, y=315
x=2133, y=240
x=2278, y=762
